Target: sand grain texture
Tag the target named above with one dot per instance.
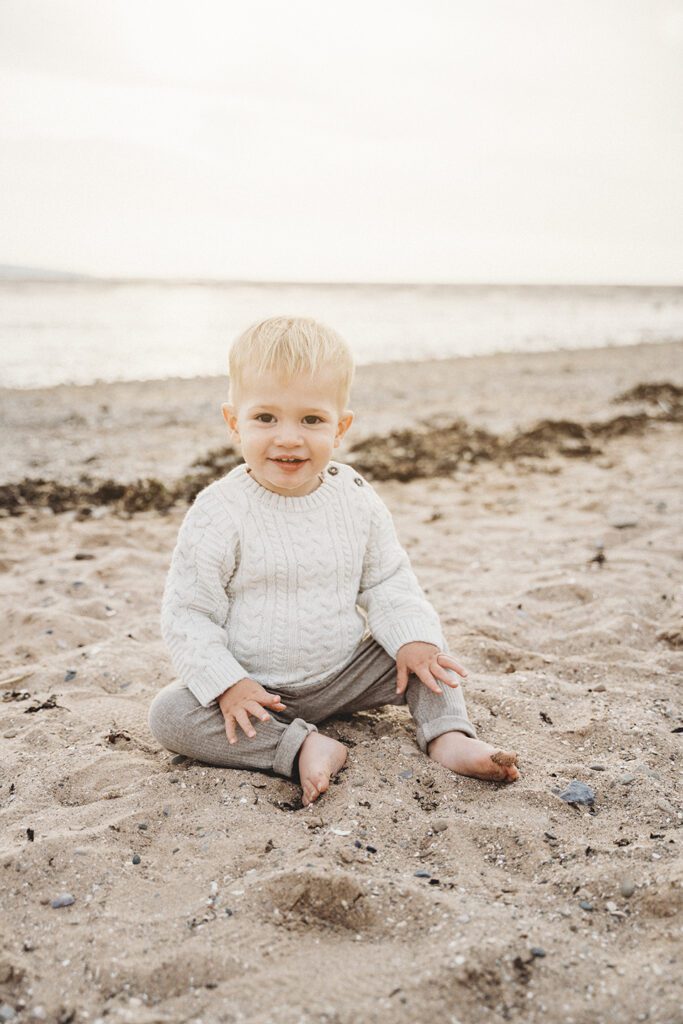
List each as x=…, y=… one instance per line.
x=406, y=894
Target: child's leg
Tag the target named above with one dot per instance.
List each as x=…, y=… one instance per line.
x=181, y=724
x=444, y=732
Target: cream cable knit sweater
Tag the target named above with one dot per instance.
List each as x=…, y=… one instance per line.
x=267, y=586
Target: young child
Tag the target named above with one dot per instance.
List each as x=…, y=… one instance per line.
x=273, y=561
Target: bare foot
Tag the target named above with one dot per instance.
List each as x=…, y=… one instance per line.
x=320, y=758
x=468, y=756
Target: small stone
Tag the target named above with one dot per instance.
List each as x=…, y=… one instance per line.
x=537, y=951
x=627, y=779
x=665, y=806
x=346, y=856
x=407, y=774
x=142, y=826
x=597, y=767
x=69, y=675
x=439, y=825
x=586, y=905
x=136, y=858
x=622, y=519
x=422, y=874
x=38, y=1013
x=627, y=888
x=371, y=849
x=178, y=759
x=65, y=899
x=578, y=793
x=6, y=1012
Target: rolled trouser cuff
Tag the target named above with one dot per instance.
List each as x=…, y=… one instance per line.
x=447, y=723
x=287, y=750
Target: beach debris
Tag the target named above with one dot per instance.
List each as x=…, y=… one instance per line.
x=51, y=702
x=578, y=793
x=83, y=556
x=545, y=717
x=16, y=695
x=115, y=734
x=599, y=557
x=65, y=899
x=537, y=951
x=11, y=680
x=30, y=835
x=627, y=888
x=70, y=674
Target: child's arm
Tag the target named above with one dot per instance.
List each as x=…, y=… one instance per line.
x=195, y=605
x=397, y=608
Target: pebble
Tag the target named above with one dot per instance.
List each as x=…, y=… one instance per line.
x=621, y=519
x=665, y=806
x=599, y=688
x=422, y=874
x=586, y=905
x=439, y=825
x=136, y=858
x=627, y=888
x=346, y=856
x=627, y=779
x=407, y=774
x=537, y=951
x=578, y=793
x=143, y=826
x=178, y=759
x=597, y=767
x=65, y=899
x=69, y=675
x=6, y=1012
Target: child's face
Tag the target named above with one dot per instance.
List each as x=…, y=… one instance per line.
x=279, y=418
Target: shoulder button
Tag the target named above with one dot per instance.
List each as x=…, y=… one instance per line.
x=357, y=480
x=332, y=470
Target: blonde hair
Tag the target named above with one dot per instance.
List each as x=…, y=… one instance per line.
x=290, y=346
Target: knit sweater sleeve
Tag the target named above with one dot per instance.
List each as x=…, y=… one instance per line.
x=397, y=608
x=195, y=604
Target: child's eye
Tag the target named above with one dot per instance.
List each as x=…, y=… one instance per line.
x=313, y=417
x=261, y=415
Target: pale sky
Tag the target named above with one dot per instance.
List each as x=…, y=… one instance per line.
x=435, y=140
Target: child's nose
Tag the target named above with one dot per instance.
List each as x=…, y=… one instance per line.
x=290, y=433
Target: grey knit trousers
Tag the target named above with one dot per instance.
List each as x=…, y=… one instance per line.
x=181, y=724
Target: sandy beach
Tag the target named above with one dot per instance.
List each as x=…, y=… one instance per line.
x=539, y=498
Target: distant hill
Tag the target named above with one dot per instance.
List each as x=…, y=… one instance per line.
x=9, y=272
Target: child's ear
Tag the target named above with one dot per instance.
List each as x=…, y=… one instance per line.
x=230, y=417
x=343, y=425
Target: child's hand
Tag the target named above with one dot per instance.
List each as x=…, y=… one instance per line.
x=427, y=662
x=243, y=699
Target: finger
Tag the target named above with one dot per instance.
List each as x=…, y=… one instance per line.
x=230, y=730
x=272, y=698
x=401, y=678
x=254, y=708
x=452, y=663
x=441, y=673
x=428, y=679
x=243, y=720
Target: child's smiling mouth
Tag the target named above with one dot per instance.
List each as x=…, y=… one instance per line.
x=289, y=463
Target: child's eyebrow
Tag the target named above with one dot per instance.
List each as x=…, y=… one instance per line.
x=275, y=408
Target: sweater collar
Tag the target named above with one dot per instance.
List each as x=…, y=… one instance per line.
x=282, y=503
